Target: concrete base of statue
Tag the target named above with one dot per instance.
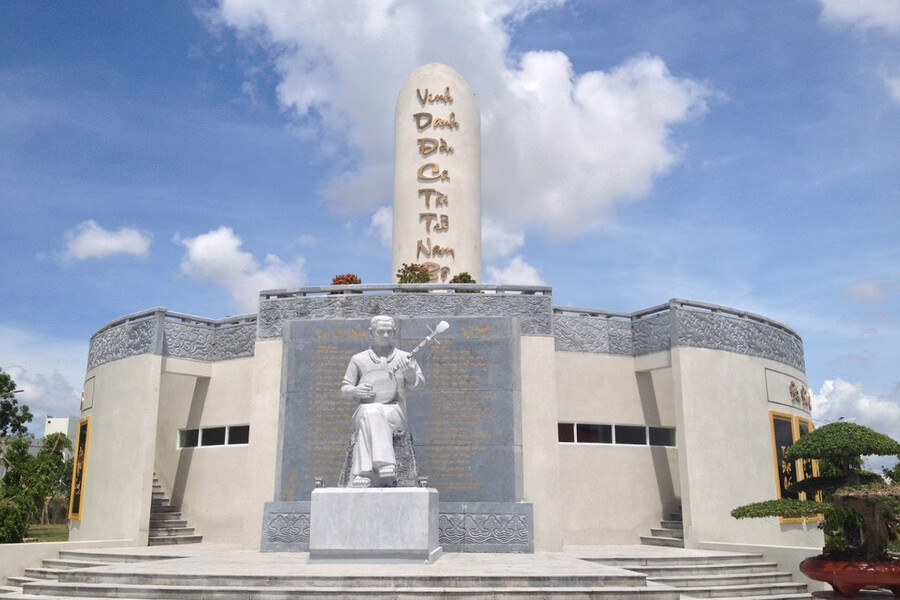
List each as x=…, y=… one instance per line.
x=375, y=525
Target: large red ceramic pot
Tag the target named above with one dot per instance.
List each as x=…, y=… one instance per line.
x=850, y=577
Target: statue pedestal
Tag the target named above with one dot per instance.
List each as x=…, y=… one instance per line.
x=375, y=525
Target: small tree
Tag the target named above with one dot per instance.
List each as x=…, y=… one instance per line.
x=13, y=418
x=413, y=273
x=51, y=475
x=860, y=510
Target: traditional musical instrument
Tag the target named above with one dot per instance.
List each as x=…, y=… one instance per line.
x=384, y=381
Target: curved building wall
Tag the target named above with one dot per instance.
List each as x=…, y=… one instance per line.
x=709, y=374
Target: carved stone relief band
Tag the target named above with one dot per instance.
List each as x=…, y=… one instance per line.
x=463, y=527
x=159, y=331
x=678, y=323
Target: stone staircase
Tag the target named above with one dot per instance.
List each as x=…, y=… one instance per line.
x=261, y=576
x=726, y=576
x=670, y=532
x=67, y=562
x=166, y=525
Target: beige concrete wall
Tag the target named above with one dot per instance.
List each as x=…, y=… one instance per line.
x=540, y=448
x=205, y=481
x=726, y=455
x=615, y=493
x=119, y=468
x=266, y=412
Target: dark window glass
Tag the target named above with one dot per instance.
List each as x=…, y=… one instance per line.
x=631, y=434
x=188, y=438
x=784, y=437
x=594, y=434
x=213, y=436
x=566, y=432
x=662, y=436
x=239, y=434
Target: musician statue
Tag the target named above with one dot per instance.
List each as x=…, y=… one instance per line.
x=378, y=379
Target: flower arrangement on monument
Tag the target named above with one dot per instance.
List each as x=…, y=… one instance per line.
x=346, y=279
x=413, y=273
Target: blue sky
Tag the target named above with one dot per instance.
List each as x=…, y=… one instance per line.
x=187, y=155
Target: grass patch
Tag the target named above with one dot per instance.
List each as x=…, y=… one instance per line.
x=49, y=533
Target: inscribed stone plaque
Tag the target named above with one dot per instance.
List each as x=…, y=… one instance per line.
x=465, y=418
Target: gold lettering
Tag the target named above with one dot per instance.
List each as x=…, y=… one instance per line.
x=444, y=224
x=426, y=98
x=428, y=218
x=445, y=148
x=436, y=173
x=423, y=120
x=433, y=251
x=439, y=198
x=449, y=123
x=435, y=271
x=428, y=146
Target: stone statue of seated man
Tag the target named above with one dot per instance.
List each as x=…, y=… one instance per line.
x=378, y=379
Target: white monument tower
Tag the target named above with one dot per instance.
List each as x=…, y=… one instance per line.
x=437, y=175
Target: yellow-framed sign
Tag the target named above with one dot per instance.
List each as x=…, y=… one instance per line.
x=76, y=498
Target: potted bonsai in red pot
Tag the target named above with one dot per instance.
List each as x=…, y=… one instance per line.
x=859, y=510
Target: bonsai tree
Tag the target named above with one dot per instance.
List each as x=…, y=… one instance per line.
x=859, y=509
x=346, y=279
x=413, y=273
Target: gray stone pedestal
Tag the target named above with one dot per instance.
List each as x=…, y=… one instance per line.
x=374, y=525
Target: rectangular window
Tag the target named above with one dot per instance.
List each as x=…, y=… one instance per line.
x=661, y=436
x=213, y=436
x=566, y=432
x=783, y=436
x=188, y=438
x=631, y=434
x=238, y=434
x=587, y=433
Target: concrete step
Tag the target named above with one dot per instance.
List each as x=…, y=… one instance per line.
x=113, y=557
x=655, y=571
x=723, y=579
x=672, y=524
x=170, y=531
x=164, y=523
x=174, y=539
x=158, y=502
x=672, y=533
x=20, y=581
x=742, y=590
x=635, y=563
x=662, y=541
x=160, y=509
x=58, y=563
x=806, y=596
x=43, y=573
x=35, y=591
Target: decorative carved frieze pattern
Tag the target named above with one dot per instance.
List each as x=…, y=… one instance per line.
x=581, y=334
x=236, y=341
x=723, y=332
x=286, y=528
x=677, y=327
x=486, y=527
x=534, y=311
x=186, y=340
x=200, y=340
x=652, y=334
x=128, y=339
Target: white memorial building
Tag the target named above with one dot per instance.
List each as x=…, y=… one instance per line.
x=539, y=425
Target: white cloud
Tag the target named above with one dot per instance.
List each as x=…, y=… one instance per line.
x=515, y=272
x=893, y=86
x=839, y=399
x=871, y=290
x=560, y=149
x=865, y=14
x=49, y=370
x=382, y=225
x=216, y=256
x=497, y=241
x=90, y=240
